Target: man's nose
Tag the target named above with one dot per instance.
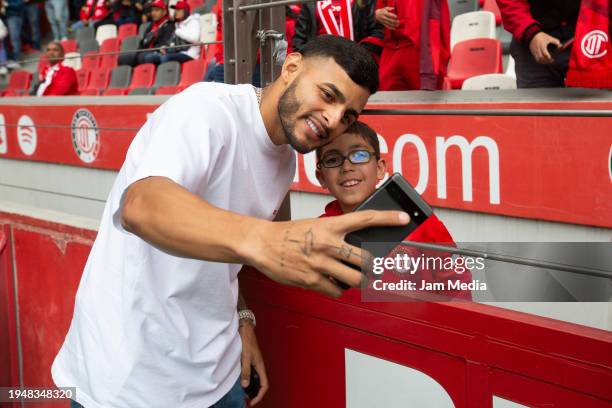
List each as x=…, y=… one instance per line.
x=333, y=117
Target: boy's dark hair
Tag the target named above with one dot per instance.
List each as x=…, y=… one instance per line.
x=356, y=61
x=360, y=129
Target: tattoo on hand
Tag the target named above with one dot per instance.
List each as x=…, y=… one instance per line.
x=308, y=242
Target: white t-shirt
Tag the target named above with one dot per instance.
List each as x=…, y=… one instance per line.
x=150, y=329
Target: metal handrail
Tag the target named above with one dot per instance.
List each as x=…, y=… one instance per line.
x=140, y=50
x=600, y=273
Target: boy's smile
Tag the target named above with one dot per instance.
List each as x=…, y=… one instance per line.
x=350, y=183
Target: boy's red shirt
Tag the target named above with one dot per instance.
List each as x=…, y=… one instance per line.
x=433, y=231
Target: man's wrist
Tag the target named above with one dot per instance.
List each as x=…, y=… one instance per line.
x=246, y=316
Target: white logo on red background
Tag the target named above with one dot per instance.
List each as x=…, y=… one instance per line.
x=595, y=44
x=3, y=139
x=85, y=137
x=26, y=135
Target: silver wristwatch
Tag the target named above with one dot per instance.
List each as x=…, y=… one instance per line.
x=247, y=314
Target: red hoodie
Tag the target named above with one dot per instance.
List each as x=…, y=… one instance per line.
x=433, y=231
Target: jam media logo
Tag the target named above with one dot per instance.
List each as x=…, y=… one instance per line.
x=594, y=44
x=26, y=135
x=3, y=139
x=85, y=137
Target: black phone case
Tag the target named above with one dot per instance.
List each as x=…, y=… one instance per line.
x=395, y=194
x=254, y=384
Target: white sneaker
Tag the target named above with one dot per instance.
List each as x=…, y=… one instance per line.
x=3, y=71
x=13, y=64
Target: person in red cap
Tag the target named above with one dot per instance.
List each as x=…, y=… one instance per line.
x=57, y=78
x=158, y=34
x=186, y=31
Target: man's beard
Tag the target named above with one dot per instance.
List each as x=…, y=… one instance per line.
x=288, y=106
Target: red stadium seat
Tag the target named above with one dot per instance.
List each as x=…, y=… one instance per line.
x=98, y=82
x=167, y=90
x=126, y=30
x=491, y=5
x=193, y=71
x=114, y=91
x=108, y=62
x=195, y=3
x=19, y=84
x=469, y=58
x=69, y=46
x=142, y=76
x=90, y=62
x=83, y=76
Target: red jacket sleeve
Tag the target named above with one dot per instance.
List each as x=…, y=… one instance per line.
x=64, y=83
x=517, y=19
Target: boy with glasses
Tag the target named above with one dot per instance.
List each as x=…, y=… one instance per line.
x=350, y=167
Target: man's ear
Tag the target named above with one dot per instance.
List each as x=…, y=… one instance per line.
x=292, y=66
x=381, y=168
x=321, y=178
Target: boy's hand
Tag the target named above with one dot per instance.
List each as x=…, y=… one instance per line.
x=306, y=253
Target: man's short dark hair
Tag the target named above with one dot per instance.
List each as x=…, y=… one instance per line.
x=356, y=61
x=365, y=132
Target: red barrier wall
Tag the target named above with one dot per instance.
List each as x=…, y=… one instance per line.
x=474, y=351
x=547, y=168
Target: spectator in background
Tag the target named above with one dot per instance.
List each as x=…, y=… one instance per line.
x=186, y=31
x=416, y=51
x=32, y=13
x=539, y=26
x=57, y=14
x=57, y=78
x=94, y=13
x=334, y=17
x=14, y=11
x=126, y=11
x=158, y=34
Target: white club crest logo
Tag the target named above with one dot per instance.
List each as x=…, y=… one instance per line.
x=85, y=137
x=26, y=135
x=595, y=44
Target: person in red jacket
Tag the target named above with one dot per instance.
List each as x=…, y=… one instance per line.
x=416, y=46
x=57, y=78
x=350, y=167
x=539, y=27
x=94, y=13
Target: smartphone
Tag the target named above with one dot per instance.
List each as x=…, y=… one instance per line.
x=254, y=384
x=555, y=51
x=394, y=194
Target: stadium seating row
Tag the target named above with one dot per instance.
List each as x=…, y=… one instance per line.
x=169, y=78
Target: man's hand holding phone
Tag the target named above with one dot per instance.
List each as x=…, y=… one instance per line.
x=306, y=253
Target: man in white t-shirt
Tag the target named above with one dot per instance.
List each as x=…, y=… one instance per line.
x=155, y=321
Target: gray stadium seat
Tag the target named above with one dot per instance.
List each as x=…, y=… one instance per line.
x=142, y=28
x=141, y=91
x=462, y=6
x=130, y=43
x=168, y=73
x=120, y=77
x=88, y=45
x=85, y=33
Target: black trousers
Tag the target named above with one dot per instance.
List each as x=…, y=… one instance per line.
x=530, y=74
